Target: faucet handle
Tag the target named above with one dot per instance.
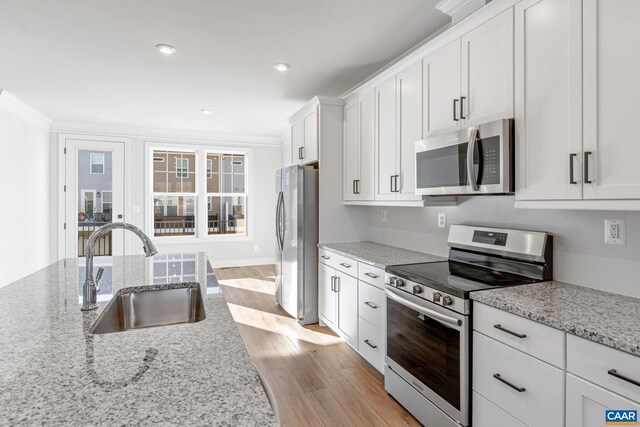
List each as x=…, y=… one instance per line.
x=98, y=277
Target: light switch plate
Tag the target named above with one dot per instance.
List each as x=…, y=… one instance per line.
x=614, y=231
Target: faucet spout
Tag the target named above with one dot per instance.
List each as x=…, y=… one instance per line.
x=90, y=289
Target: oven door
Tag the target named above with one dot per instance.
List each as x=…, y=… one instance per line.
x=428, y=346
x=477, y=160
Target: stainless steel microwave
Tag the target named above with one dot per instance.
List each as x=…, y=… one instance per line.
x=475, y=160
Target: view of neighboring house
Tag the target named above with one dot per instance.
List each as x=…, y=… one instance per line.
x=94, y=185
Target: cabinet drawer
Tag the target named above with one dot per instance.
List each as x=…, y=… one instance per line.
x=593, y=361
x=371, y=304
x=371, y=344
x=540, y=401
x=533, y=338
x=339, y=262
x=370, y=274
x=486, y=414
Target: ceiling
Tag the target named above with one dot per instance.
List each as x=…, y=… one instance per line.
x=94, y=61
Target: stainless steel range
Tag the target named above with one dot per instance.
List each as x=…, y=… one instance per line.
x=429, y=316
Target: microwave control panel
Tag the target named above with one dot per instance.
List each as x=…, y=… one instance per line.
x=489, y=149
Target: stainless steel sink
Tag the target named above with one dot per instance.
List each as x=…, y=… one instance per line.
x=149, y=307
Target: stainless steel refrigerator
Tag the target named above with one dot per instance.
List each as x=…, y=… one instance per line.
x=297, y=242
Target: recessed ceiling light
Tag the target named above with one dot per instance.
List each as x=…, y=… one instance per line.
x=167, y=49
x=281, y=66
x=205, y=111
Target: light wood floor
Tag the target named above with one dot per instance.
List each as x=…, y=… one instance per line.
x=317, y=379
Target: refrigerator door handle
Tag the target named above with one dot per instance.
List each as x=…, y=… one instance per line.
x=282, y=221
x=279, y=221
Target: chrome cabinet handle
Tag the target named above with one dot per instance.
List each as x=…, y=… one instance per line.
x=513, y=386
x=462, y=98
x=455, y=108
x=571, y=157
x=325, y=257
x=370, y=304
x=373, y=276
x=515, y=334
x=391, y=184
x=302, y=152
x=369, y=344
x=586, y=167
x=357, y=186
x=615, y=373
x=345, y=265
x=333, y=284
x=397, y=187
x=337, y=284
x=353, y=187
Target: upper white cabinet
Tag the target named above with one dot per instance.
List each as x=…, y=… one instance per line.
x=441, y=85
x=297, y=142
x=611, y=88
x=386, y=139
x=548, y=116
x=359, y=147
x=352, y=150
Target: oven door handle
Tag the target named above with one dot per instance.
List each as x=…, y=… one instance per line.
x=425, y=311
x=471, y=151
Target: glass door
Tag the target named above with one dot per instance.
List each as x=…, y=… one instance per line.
x=94, y=196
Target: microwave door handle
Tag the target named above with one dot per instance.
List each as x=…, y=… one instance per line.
x=471, y=151
x=440, y=318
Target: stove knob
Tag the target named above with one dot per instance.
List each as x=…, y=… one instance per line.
x=392, y=280
x=447, y=300
x=437, y=296
x=417, y=289
x=399, y=283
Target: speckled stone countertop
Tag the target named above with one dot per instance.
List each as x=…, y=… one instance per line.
x=53, y=372
x=379, y=255
x=602, y=317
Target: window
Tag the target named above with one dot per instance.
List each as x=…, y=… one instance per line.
x=198, y=193
x=107, y=203
x=96, y=161
x=174, y=193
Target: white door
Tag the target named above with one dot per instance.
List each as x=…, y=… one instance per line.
x=366, y=187
x=611, y=88
x=386, y=138
x=297, y=142
x=487, y=71
x=326, y=295
x=348, y=307
x=410, y=129
x=441, y=86
x=548, y=94
x=94, y=196
x=587, y=403
x=351, y=159
x=310, y=150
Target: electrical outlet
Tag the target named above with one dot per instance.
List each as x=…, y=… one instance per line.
x=614, y=231
x=383, y=215
x=442, y=220
x=256, y=248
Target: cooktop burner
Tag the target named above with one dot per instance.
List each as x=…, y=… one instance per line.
x=457, y=278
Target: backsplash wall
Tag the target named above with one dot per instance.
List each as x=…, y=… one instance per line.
x=580, y=255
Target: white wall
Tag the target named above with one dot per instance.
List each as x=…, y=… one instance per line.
x=580, y=255
x=24, y=190
x=264, y=159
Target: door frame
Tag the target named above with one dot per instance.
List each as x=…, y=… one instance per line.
x=61, y=184
x=83, y=193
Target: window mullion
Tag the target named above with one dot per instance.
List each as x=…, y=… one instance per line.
x=201, y=191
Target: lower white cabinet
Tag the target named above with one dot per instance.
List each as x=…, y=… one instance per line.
x=338, y=302
x=486, y=414
x=326, y=296
x=587, y=403
x=371, y=342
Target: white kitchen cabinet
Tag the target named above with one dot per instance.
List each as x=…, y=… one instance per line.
x=310, y=148
x=409, y=130
x=346, y=289
x=352, y=149
x=359, y=147
x=297, y=142
x=386, y=139
x=611, y=87
x=366, y=181
x=326, y=295
x=441, y=89
x=487, y=71
x=548, y=107
x=587, y=402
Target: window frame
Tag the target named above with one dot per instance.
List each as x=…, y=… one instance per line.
x=183, y=171
x=102, y=202
x=201, y=210
x=91, y=163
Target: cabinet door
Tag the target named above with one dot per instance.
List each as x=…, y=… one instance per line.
x=367, y=147
x=326, y=296
x=586, y=403
x=297, y=142
x=348, y=307
x=487, y=71
x=548, y=108
x=386, y=138
x=351, y=160
x=611, y=88
x=310, y=150
x=441, y=86
x=410, y=129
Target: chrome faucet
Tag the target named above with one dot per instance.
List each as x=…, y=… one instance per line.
x=90, y=287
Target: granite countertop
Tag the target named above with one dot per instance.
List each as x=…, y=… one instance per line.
x=602, y=317
x=53, y=372
x=379, y=255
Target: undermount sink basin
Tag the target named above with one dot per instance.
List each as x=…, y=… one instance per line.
x=136, y=308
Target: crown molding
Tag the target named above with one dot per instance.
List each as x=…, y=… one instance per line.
x=164, y=134
x=23, y=110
